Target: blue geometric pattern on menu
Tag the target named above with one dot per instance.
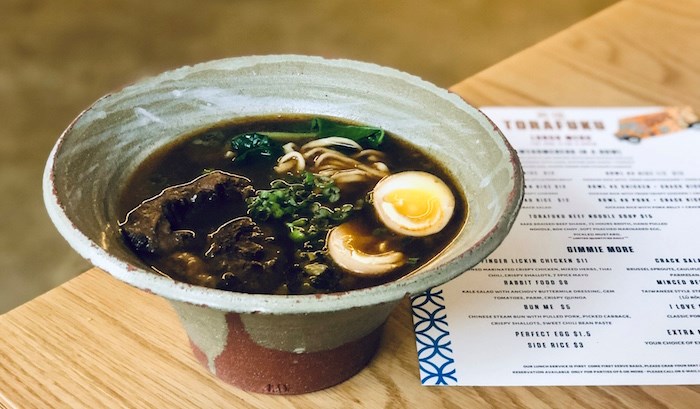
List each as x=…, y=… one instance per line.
x=432, y=339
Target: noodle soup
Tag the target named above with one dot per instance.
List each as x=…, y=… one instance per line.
x=289, y=205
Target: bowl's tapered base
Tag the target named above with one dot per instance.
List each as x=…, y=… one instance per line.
x=255, y=368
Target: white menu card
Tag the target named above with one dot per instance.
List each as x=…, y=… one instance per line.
x=598, y=282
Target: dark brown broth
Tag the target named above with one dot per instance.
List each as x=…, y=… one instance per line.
x=187, y=158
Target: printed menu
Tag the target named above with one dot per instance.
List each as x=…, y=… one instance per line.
x=598, y=282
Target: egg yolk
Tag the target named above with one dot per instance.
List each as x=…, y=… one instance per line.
x=416, y=205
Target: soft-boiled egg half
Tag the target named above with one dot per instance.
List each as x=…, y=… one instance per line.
x=413, y=203
x=356, y=250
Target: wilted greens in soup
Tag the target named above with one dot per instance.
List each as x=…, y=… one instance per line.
x=289, y=205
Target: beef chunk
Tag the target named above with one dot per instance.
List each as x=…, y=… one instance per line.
x=247, y=259
x=151, y=228
x=239, y=235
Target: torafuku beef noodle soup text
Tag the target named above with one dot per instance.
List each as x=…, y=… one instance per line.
x=289, y=205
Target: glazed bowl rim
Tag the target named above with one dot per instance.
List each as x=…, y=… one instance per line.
x=392, y=291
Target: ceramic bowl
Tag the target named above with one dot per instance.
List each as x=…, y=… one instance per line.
x=273, y=343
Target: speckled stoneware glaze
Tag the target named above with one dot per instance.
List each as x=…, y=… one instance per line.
x=270, y=343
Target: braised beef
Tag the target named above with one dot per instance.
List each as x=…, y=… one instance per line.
x=244, y=257
x=155, y=226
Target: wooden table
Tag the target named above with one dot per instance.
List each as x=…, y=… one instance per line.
x=95, y=342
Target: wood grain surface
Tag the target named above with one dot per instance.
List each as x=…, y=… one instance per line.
x=636, y=52
x=98, y=343
x=95, y=342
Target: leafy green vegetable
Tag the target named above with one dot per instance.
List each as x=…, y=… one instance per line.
x=266, y=144
x=255, y=144
x=293, y=200
x=366, y=136
x=322, y=219
x=287, y=136
x=304, y=206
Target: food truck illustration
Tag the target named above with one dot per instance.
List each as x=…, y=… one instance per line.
x=672, y=119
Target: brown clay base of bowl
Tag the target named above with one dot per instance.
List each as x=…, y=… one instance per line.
x=254, y=368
